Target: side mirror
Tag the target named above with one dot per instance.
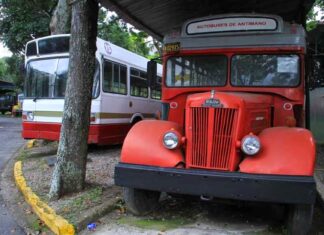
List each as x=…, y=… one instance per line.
x=151, y=72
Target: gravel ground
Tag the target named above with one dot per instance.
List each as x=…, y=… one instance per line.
x=100, y=169
x=78, y=208
x=101, y=164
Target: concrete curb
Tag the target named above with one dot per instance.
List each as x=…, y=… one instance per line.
x=55, y=222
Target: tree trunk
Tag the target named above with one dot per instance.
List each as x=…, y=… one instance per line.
x=69, y=172
x=61, y=19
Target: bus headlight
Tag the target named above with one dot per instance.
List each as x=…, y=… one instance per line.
x=250, y=145
x=171, y=140
x=30, y=116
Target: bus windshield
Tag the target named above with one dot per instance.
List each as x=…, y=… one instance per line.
x=265, y=70
x=196, y=71
x=47, y=78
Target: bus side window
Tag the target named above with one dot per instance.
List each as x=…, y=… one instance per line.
x=138, y=83
x=96, y=83
x=61, y=78
x=156, y=89
x=115, y=78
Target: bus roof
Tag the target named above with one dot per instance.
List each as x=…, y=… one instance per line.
x=237, y=30
x=58, y=45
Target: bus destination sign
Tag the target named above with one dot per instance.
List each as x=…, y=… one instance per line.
x=171, y=47
x=232, y=24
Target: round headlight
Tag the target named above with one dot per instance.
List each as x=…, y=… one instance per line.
x=250, y=145
x=30, y=116
x=170, y=140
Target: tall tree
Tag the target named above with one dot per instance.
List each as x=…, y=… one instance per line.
x=115, y=30
x=313, y=14
x=61, y=19
x=11, y=70
x=20, y=20
x=4, y=70
x=69, y=172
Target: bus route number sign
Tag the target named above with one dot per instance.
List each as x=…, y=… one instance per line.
x=171, y=47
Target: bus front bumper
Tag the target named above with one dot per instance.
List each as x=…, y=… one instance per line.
x=218, y=184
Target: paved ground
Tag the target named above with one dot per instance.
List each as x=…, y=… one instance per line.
x=10, y=141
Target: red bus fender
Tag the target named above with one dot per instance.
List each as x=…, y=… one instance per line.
x=284, y=151
x=144, y=144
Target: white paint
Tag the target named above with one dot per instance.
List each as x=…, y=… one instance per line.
x=231, y=24
x=106, y=102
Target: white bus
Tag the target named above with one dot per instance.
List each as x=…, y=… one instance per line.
x=121, y=95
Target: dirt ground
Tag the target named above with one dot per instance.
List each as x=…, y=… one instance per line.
x=78, y=208
x=178, y=215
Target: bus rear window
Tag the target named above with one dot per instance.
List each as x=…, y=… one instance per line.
x=265, y=70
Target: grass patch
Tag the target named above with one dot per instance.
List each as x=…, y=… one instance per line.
x=23, y=155
x=73, y=208
x=155, y=224
x=89, y=198
x=39, y=226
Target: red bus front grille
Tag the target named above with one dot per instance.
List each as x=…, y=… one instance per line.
x=212, y=136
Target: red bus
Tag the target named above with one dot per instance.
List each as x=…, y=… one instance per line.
x=233, y=119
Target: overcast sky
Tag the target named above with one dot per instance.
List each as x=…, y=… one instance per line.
x=4, y=51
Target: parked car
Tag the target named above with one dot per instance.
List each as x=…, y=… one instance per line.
x=7, y=101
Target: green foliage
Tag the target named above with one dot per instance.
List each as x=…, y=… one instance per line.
x=3, y=70
x=20, y=19
x=115, y=30
x=14, y=72
x=311, y=21
x=11, y=70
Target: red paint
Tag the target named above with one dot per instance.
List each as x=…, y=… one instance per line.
x=143, y=144
x=295, y=95
x=213, y=135
x=102, y=134
x=217, y=132
x=285, y=151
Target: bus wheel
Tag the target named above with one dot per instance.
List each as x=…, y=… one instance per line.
x=139, y=201
x=136, y=120
x=300, y=217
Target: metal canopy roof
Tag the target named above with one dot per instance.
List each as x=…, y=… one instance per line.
x=159, y=17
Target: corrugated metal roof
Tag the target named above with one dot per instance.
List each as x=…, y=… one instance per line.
x=159, y=17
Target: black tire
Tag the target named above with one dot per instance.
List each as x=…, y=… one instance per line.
x=300, y=218
x=141, y=202
x=136, y=120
